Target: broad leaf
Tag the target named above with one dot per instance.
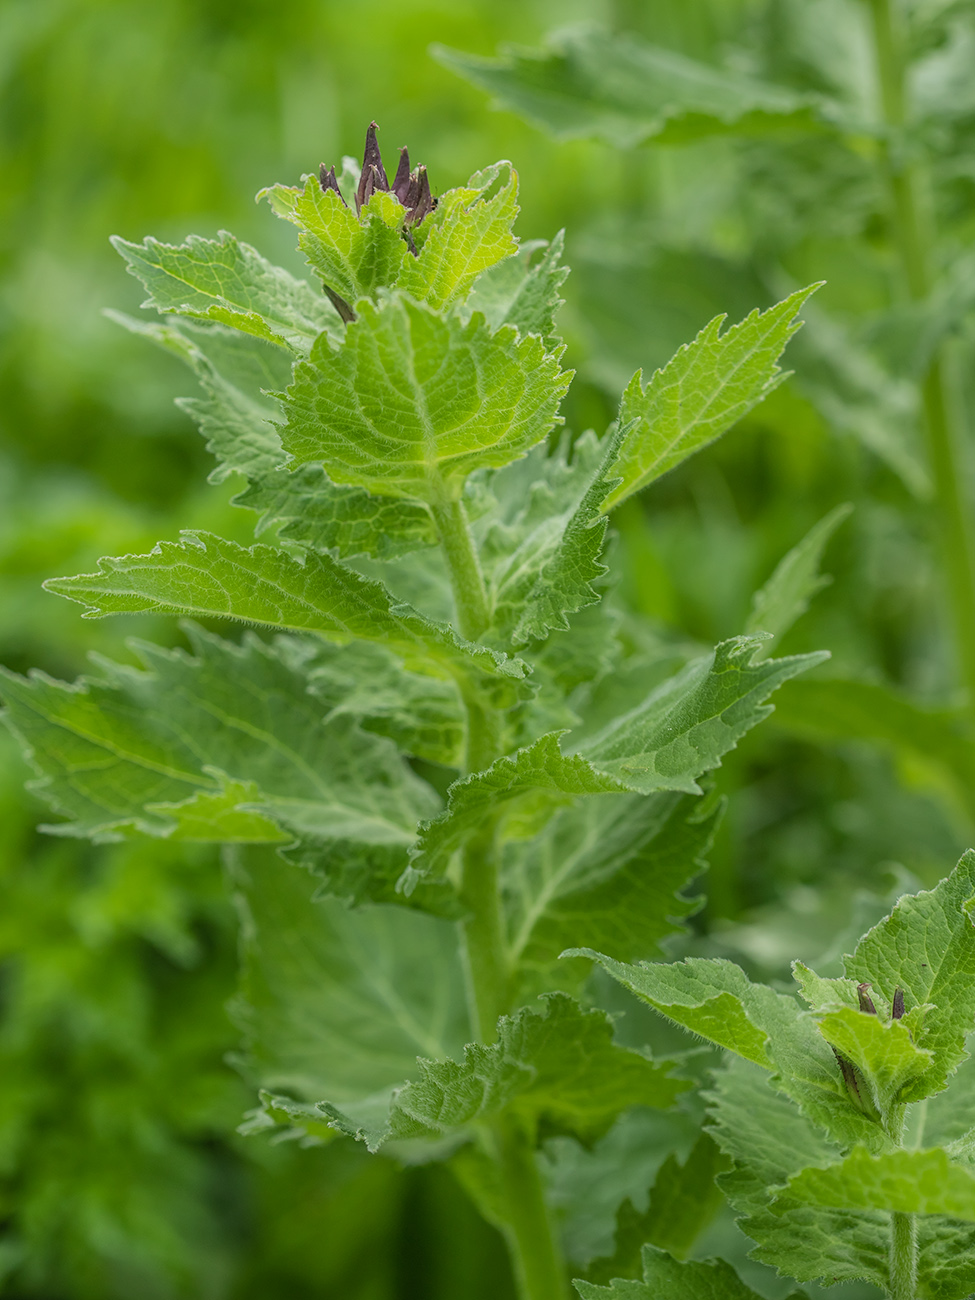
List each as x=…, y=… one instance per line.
x=226, y=746
x=558, y=1071
x=225, y=281
x=206, y=576
x=701, y=392
x=523, y=290
x=305, y=506
x=413, y=401
x=665, y=1276
x=926, y=947
x=909, y=1182
x=625, y=91
x=786, y=595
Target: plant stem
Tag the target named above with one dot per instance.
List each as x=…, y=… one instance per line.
x=539, y=1270
x=916, y=235
x=532, y=1243
x=903, y=1256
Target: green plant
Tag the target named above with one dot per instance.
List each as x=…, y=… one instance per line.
x=452, y=728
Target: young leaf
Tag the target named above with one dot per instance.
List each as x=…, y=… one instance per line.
x=926, y=947
x=206, y=576
x=909, y=1182
x=786, y=595
x=701, y=392
x=523, y=290
x=883, y=1052
x=625, y=91
x=354, y=255
x=664, y=1276
x=305, y=506
x=229, y=282
x=469, y=233
x=558, y=1071
x=413, y=401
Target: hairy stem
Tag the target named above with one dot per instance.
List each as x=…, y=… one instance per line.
x=915, y=236
x=903, y=1257
x=532, y=1243
x=539, y=1270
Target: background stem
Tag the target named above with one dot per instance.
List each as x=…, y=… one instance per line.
x=903, y=1257
x=539, y=1270
x=916, y=236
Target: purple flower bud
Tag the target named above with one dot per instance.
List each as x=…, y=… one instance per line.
x=328, y=181
x=866, y=1001
x=401, y=181
x=373, y=173
x=897, y=1006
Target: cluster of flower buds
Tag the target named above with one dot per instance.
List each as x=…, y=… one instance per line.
x=855, y=1084
x=412, y=188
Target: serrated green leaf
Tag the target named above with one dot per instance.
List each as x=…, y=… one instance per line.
x=701, y=392
x=558, y=1072
x=305, y=506
x=927, y=948
x=225, y=746
x=523, y=290
x=354, y=255
x=883, y=1052
x=625, y=91
x=413, y=401
x=786, y=595
x=665, y=1276
x=469, y=233
x=604, y=872
x=686, y=726
x=236, y=371
x=206, y=576
x=225, y=281
x=908, y=1182
x=565, y=581
x=338, y=1003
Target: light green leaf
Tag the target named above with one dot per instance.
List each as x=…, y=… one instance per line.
x=167, y=752
x=908, y=1182
x=683, y=1201
x=305, y=506
x=625, y=91
x=786, y=595
x=701, y=392
x=604, y=872
x=412, y=401
x=206, y=576
x=469, y=233
x=338, y=1003
x=927, y=948
x=558, y=1071
x=565, y=580
x=665, y=1276
x=354, y=255
x=229, y=282
x=691, y=721
x=523, y=290
x=236, y=371
x=883, y=1052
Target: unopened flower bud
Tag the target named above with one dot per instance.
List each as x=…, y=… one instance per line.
x=866, y=1001
x=897, y=1006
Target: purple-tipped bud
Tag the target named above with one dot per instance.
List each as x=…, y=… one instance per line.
x=419, y=202
x=373, y=173
x=328, y=181
x=897, y=1006
x=401, y=181
x=866, y=1001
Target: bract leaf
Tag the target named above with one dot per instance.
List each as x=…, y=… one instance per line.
x=413, y=401
x=625, y=91
x=883, y=1051
x=927, y=948
x=229, y=282
x=701, y=392
x=909, y=1182
x=205, y=575
x=786, y=595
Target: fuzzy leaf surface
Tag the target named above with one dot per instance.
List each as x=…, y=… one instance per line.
x=412, y=401
x=229, y=282
x=701, y=392
x=523, y=290
x=625, y=91
x=909, y=1182
x=665, y=1276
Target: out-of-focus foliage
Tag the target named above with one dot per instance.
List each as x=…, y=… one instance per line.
x=119, y=1171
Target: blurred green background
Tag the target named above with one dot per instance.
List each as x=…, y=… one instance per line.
x=120, y=1172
